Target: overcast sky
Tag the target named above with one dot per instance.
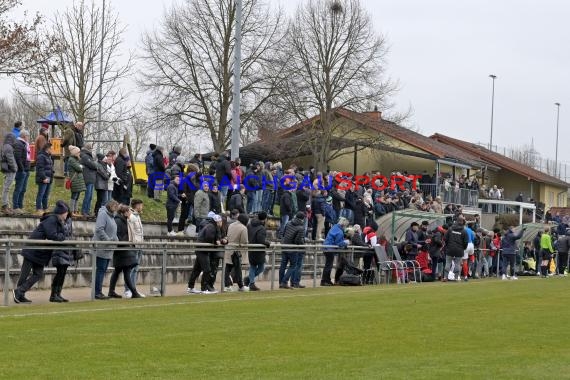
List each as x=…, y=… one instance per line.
x=442, y=52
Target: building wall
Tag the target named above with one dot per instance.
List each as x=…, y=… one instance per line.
x=553, y=196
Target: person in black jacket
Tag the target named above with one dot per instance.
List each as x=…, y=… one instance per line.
x=215, y=199
x=209, y=233
x=294, y=234
x=120, y=188
x=159, y=170
x=21, y=148
x=223, y=170
x=257, y=234
x=172, y=203
x=90, y=176
x=238, y=200
x=189, y=188
x=435, y=249
x=456, y=241
x=101, y=182
x=61, y=259
x=125, y=259
x=35, y=260
x=44, y=178
x=286, y=210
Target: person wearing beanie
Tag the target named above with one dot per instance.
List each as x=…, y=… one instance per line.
x=51, y=227
x=335, y=237
x=294, y=234
x=122, y=188
x=76, y=177
x=61, y=258
x=257, y=234
x=237, y=237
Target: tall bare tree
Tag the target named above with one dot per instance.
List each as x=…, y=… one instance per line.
x=18, y=41
x=332, y=57
x=28, y=110
x=189, y=63
x=70, y=75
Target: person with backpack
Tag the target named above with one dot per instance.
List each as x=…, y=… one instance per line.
x=257, y=234
x=51, y=227
x=455, y=241
x=9, y=168
x=149, y=167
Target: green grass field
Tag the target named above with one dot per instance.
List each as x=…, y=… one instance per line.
x=479, y=330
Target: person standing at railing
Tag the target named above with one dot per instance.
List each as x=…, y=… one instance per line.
x=105, y=230
x=61, y=260
x=456, y=241
x=173, y=200
x=136, y=233
x=209, y=233
x=9, y=168
x=335, y=237
x=509, y=245
x=257, y=234
x=44, y=178
x=294, y=234
x=51, y=227
x=238, y=236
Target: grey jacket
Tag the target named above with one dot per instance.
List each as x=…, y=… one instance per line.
x=89, y=167
x=105, y=230
x=564, y=244
x=201, y=204
x=8, y=160
x=102, y=178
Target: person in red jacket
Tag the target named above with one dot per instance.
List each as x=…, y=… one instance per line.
x=495, y=247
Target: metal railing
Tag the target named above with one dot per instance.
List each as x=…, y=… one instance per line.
x=315, y=252
x=465, y=197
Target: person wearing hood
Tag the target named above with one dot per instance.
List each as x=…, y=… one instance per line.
x=17, y=128
x=257, y=234
x=509, y=245
x=294, y=234
x=22, y=155
x=62, y=258
x=89, y=176
x=563, y=248
x=101, y=181
x=122, y=171
x=105, y=230
x=174, y=153
x=9, y=168
x=209, y=233
x=76, y=176
x=124, y=258
x=157, y=184
x=215, y=199
x=335, y=237
x=44, y=178
x=51, y=227
x=237, y=236
x=456, y=241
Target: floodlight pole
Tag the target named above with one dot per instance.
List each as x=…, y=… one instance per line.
x=493, y=77
x=237, y=85
x=556, y=155
x=99, y=110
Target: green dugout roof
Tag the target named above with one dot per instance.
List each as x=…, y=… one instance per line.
x=397, y=223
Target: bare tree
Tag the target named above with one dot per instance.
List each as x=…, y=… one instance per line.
x=18, y=41
x=332, y=57
x=70, y=74
x=28, y=110
x=189, y=64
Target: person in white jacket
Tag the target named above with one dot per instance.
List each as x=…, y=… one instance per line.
x=109, y=160
x=136, y=235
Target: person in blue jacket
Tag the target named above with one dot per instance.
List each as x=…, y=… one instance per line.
x=335, y=237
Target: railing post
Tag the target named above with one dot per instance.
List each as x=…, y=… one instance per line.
x=163, y=274
x=498, y=263
x=223, y=279
x=7, y=264
x=93, y=270
x=315, y=252
x=273, y=268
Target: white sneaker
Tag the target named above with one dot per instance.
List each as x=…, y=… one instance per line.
x=229, y=289
x=128, y=294
x=171, y=233
x=503, y=277
x=193, y=291
x=210, y=292
x=244, y=289
x=142, y=295
x=514, y=278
